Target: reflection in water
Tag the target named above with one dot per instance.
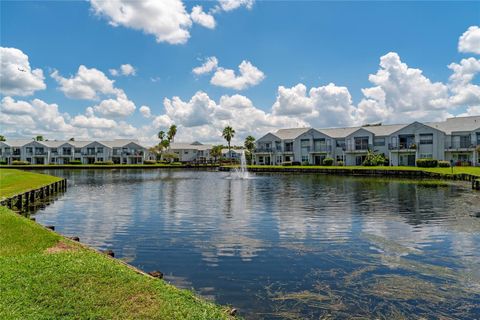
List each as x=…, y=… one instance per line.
x=287, y=246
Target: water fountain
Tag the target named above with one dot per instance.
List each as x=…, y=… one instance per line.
x=242, y=172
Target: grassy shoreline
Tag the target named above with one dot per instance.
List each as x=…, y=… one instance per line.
x=47, y=276
x=474, y=171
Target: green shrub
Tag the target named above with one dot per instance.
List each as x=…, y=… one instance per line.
x=327, y=161
x=287, y=163
x=20, y=163
x=3, y=162
x=104, y=163
x=427, y=163
x=305, y=163
x=374, y=159
x=149, y=162
x=340, y=163
x=75, y=162
x=443, y=164
x=176, y=163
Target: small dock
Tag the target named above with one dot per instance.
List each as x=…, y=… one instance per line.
x=24, y=200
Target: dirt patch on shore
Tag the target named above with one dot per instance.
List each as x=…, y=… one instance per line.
x=60, y=247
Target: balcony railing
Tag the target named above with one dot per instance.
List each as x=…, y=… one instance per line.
x=322, y=149
x=461, y=145
x=264, y=149
x=402, y=146
x=359, y=147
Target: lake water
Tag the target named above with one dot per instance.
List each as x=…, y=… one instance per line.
x=282, y=246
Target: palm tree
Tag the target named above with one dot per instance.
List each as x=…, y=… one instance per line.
x=39, y=138
x=250, y=146
x=216, y=152
x=161, y=135
x=228, y=134
x=2, y=138
x=172, y=132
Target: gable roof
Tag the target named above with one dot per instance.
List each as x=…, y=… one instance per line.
x=17, y=142
x=189, y=146
x=457, y=124
x=339, y=132
x=291, y=133
x=384, y=130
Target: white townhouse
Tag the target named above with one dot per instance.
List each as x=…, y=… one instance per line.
x=191, y=152
x=456, y=139
x=234, y=154
x=119, y=151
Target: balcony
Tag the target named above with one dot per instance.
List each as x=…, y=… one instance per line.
x=263, y=150
x=359, y=148
x=403, y=146
x=462, y=145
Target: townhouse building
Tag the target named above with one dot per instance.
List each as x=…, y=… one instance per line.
x=455, y=139
x=191, y=152
x=119, y=151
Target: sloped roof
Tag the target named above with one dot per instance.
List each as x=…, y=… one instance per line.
x=118, y=143
x=384, y=130
x=338, y=132
x=189, y=146
x=18, y=142
x=291, y=133
x=457, y=124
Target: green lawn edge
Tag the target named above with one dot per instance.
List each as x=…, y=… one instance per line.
x=474, y=171
x=77, y=282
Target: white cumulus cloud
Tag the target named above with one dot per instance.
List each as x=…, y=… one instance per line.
x=17, y=78
x=124, y=70
x=248, y=76
x=145, y=111
x=469, y=41
x=210, y=64
x=86, y=84
x=200, y=17
x=167, y=20
x=229, y=5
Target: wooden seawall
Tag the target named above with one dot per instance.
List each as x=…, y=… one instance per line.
x=475, y=180
x=25, y=199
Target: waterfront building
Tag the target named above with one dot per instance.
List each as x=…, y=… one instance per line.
x=455, y=139
x=191, y=152
x=120, y=151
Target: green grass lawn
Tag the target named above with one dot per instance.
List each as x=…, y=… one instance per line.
x=14, y=181
x=46, y=276
x=447, y=171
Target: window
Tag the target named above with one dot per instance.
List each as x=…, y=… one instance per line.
x=478, y=138
x=288, y=146
x=78, y=150
x=341, y=143
x=361, y=143
x=379, y=142
x=29, y=149
x=185, y=152
x=99, y=150
x=304, y=159
x=319, y=145
x=426, y=155
x=426, y=138
x=305, y=145
x=279, y=159
x=54, y=150
x=278, y=146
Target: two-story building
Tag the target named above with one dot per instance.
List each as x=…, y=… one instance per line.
x=455, y=139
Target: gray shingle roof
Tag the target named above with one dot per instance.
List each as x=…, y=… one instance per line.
x=189, y=146
x=291, y=133
x=338, y=132
x=458, y=124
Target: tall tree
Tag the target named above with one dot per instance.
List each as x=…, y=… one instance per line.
x=216, y=152
x=228, y=134
x=39, y=138
x=250, y=146
x=71, y=139
x=172, y=131
x=161, y=135
x=2, y=138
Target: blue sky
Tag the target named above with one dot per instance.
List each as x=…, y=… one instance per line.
x=306, y=42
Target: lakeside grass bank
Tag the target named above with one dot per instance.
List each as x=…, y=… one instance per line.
x=47, y=276
x=399, y=171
